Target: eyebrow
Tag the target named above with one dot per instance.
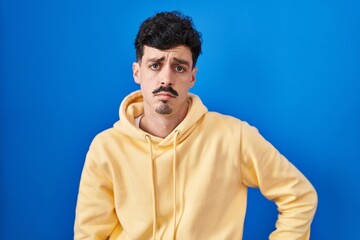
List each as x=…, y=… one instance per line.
x=177, y=60
x=155, y=59
x=182, y=61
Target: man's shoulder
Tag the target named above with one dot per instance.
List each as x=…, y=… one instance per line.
x=107, y=136
x=222, y=118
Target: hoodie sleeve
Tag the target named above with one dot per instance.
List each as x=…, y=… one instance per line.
x=95, y=211
x=263, y=167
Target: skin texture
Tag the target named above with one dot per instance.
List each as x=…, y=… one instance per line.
x=165, y=78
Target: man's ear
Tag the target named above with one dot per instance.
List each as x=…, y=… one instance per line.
x=136, y=72
x=193, y=76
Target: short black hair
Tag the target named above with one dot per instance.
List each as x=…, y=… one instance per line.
x=167, y=30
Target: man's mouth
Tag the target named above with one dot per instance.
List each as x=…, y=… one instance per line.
x=164, y=96
x=165, y=92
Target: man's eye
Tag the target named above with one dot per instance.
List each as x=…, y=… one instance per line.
x=179, y=69
x=154, y=66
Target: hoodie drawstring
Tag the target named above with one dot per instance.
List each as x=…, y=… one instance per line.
x=174, y=182
x=148, y=139
x=153, y=185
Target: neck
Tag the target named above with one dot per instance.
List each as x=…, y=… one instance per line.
x=161, y=125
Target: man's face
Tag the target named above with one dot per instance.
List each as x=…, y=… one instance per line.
x=165, y=77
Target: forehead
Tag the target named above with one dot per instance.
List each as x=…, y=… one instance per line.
x=180, y=52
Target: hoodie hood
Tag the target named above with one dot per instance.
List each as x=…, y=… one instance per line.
x=133, y=106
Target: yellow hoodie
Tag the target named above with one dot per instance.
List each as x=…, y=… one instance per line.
x=190, y=185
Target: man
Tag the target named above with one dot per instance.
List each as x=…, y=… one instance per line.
x=169, y=169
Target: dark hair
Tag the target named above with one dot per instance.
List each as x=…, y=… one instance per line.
x=166, y=30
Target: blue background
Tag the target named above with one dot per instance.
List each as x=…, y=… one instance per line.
x=291, y=68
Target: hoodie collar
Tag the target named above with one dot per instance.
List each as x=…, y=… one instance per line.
x=133, y=106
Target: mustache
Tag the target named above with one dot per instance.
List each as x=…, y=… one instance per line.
x=166, y=89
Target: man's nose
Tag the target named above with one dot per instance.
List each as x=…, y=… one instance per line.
x=167, y=77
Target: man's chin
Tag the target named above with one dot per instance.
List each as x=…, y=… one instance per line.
x=163, y=109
